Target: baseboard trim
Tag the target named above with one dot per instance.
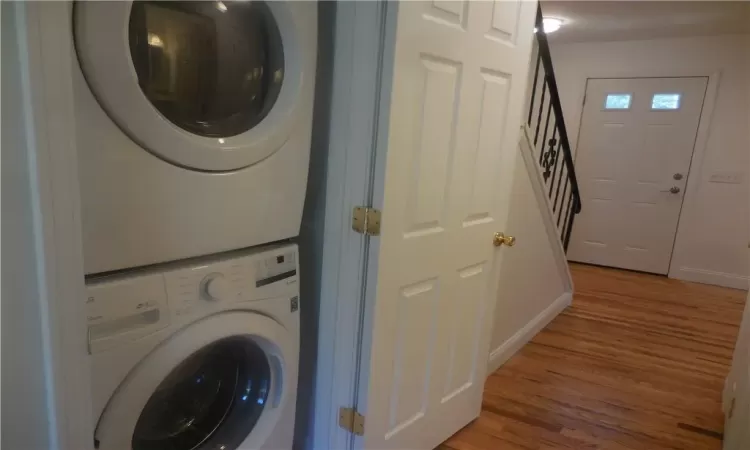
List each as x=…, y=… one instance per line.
x=729, y=280
x=500, y=355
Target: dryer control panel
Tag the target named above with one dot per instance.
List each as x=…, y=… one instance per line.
x=128, y=306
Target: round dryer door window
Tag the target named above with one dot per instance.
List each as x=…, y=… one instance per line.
x=212, y=68
x=207, y=85
x=213, y=399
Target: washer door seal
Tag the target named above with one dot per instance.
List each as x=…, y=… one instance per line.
x=218, y=383
x=167, y=101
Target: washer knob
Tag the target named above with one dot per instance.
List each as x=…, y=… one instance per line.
x=215, y=287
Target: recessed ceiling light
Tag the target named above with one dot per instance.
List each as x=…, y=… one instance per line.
x=154, y=40
x=551, y=24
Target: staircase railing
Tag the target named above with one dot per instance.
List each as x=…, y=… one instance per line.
x=550, y=138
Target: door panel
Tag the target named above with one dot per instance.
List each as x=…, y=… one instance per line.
x=626, y=162
x=459, y=77
x=416, y=328
x=434, y=114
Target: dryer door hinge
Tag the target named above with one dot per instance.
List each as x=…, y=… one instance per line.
x=366, y=220
x=352, y=421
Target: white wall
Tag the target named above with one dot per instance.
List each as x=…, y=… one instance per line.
x=534, y=281
x=24, y=394
x=712, y=239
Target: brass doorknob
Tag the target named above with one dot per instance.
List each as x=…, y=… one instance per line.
x=501, y=238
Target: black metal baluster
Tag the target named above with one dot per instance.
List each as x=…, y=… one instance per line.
x=569, y=218
x=533, y=87
x=554, y=171
x=565, y=189
x=565, y=222
x=559, y=179
x=546, y=125
x=539, y=116
x=544, y=152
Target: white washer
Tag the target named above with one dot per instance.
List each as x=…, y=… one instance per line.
x=197, y=356
x=193, y=126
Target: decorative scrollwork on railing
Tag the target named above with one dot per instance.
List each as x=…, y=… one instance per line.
x=549, y=158
x=550, y=138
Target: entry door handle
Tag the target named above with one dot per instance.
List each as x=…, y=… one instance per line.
x=672, y=190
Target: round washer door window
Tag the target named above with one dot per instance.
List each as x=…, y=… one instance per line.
x=212, y=68
x=205, y=85
x=213, y=399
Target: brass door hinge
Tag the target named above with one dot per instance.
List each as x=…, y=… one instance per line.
x=352, y=421
x=366, y=220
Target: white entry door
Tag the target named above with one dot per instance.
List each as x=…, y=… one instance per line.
x=632, y=161
x=459, y=74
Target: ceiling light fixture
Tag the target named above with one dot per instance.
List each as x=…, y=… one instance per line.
x=551, y=24
x=154, y=40
x=221, y=6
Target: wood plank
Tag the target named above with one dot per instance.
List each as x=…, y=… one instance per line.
x=636, y=363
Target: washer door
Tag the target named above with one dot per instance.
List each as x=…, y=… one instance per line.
x=206, y=85
x=218, y=384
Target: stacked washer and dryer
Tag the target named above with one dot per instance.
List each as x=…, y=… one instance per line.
x=193, y=131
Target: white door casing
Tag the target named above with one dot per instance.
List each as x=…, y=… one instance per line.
x=459, y=75
x=736, y=430
x=736, y=401
x=627, y=162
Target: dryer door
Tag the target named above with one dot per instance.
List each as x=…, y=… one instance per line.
x=220, y=383
x=207, y=85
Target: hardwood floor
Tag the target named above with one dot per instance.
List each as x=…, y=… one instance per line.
x=637, y=362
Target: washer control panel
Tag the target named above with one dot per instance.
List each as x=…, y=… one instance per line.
x=126, y=307
x=272, y=269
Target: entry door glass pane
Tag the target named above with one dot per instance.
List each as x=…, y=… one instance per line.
x=618, y=101
x=665, y=101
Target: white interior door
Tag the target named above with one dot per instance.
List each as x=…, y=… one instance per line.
x=635, y=146
x=459, y=75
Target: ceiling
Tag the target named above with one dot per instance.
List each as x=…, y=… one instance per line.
x=592, y=20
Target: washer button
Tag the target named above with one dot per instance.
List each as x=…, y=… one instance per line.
x=215, y=287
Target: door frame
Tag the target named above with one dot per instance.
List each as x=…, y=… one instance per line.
x=45, y=50
x=380, y=149
x=699, y=146
x=355, y=162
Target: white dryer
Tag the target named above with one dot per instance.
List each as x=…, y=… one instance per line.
x=197, y=356
x=193, y=126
